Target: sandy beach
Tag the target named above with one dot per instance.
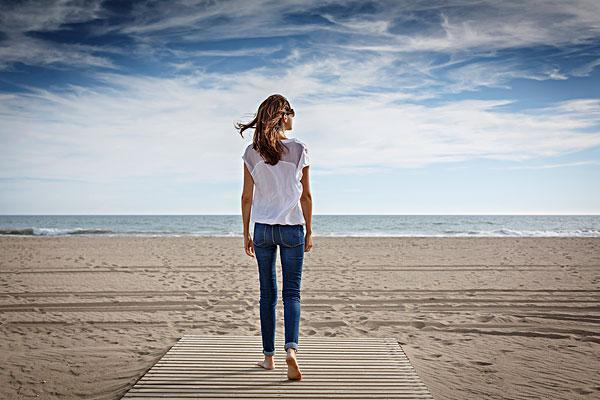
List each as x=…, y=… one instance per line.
x=479, y=318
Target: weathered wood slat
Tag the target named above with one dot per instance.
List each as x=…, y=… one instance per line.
x=365, y=378
x=306, y=356
x=325, y=374
x=154, y=396
x=224, y=367
x=234, y=346
x=255, y=382
x=237, y=366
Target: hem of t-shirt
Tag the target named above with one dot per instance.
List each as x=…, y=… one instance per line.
x=279, y=223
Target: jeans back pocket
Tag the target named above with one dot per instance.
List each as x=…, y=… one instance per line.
x=260, y=234
x=292, y=235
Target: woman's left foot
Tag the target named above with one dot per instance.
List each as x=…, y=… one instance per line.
x=293, y=371
x=267, y=364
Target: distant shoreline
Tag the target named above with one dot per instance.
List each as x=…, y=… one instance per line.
x=322, y=226
x=315, y=235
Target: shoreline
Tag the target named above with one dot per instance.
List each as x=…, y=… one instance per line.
x=407, y=236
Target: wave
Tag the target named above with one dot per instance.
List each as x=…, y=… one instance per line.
x=53, y=231
x=475, y=233
x=502, y=232
x=584, y=232
x=17, y=231
x=106, y=232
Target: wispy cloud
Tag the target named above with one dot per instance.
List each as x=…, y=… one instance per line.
x=19, y=20
x=347, y=30
x=37, y=52
x=555, y=165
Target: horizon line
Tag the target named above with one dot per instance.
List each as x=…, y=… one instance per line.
x=231, y=215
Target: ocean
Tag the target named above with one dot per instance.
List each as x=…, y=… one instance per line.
x=323, y=225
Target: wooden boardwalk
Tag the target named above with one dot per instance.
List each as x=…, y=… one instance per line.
x=217, y=367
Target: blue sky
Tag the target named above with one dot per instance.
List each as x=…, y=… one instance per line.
x=408, y=107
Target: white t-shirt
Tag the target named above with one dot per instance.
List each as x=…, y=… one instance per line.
x=277, y=188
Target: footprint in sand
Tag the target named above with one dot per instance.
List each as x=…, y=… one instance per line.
x=584, y=391
x=484, y=363
x=418, y=324
x=484, y=318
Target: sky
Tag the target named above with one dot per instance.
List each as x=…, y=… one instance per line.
x=406, y=107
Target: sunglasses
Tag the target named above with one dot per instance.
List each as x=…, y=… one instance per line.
x=291, y=112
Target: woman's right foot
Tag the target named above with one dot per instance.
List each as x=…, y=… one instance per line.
x=293, y=371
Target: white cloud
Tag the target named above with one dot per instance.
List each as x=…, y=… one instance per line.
x=586, y=69
x=549, y=166
x=41, y=15
x=31, y=51
x=18, y=19
x=183, y=128
x=497, y=74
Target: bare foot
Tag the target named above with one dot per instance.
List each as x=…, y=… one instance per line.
x=293, y=371
x=268, y=363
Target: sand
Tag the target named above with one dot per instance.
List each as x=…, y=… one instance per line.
x=479, y=318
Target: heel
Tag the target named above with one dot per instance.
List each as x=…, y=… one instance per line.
x=295, y=374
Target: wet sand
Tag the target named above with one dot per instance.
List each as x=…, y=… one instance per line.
x=479, y=318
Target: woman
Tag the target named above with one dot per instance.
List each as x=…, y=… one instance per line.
x=277, y=195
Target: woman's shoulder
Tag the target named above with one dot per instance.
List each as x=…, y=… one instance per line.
x=248, y=148
x=249, y=153
x=300, y=142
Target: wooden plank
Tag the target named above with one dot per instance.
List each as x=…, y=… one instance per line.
x=233, y=395
x=256, y=382
x=224, y=367
x=237, y=366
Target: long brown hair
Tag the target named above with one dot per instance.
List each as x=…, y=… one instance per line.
x=267, y=122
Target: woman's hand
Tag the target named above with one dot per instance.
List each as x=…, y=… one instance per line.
x=308, y=242
x=249, y=245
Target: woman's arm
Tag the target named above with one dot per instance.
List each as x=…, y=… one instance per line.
x=306, y=203
x=247, y=194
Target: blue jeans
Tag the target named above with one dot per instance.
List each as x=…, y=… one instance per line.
x=290, y=239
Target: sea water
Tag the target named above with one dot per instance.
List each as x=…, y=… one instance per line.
x=323, y=225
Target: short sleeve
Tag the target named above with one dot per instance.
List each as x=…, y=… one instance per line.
x=304, y=158
x=246, y=160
